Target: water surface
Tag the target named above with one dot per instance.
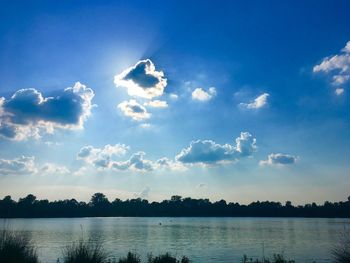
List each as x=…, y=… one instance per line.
x=203, y=240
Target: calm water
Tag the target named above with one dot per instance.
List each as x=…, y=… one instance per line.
x=201, y=239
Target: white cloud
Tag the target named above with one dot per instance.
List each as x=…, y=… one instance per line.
x=50, y=168
x=156, y=104
x=257, y=103
x=346, y=49
x=339, y=91
x=337, y=66
x=209, y=152
x=173, y=96
x=26, y=165
x=212, y=91
x=105, y=158
x=279, y=159
x=81, y=171
x=52, y=144
x=101, y=157
x=202, y=95
x=166, y=163
x=28, y=113
x=145, y=125
x=340, y=79
x=21, y=165
x=136, y=162
x=245, y=144
x=134, y=110
x=142, y=80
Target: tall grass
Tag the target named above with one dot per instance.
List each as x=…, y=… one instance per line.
x=277, y=258
x=166, y=258
x=85, y=252
x=341, y=251
x=16, y=248
x=130, y=258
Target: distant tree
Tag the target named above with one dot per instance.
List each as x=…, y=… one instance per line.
x=98, y=199
x=327, y=204
x=8, y=200
x=28, y=200
x=99, y=205
x=176, y=198
x=221, y=202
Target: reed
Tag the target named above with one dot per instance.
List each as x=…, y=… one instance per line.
x=85, y=252
x=16, y=248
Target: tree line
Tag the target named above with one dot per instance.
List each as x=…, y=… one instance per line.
x=100, y=206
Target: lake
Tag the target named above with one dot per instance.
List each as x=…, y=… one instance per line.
x=203, y=240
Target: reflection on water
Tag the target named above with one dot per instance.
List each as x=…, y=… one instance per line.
x=201, y=239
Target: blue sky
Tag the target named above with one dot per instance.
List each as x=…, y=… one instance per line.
x=240, y=100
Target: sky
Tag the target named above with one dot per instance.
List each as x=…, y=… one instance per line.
x=234, y=100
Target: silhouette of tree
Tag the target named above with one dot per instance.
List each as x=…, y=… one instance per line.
x=98, y=199
x=176, y=198
x=99, y=205
x=28, y=200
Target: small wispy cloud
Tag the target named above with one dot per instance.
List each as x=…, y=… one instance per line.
x=134, y=110
x=337, y=67
x=27, y=165
x=279, y=159
x=156, y=104
x=173, y=96
x=200, y=94
x=339, y=91
x=258, y=103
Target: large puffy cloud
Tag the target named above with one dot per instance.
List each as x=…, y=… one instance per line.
x=202, y=95
x=142, y=80
x=209, y=152
x=206, y=151
x=28, y=112
x=337, y=66
x=134, y=110
x=279, y=159
x=257, y=103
